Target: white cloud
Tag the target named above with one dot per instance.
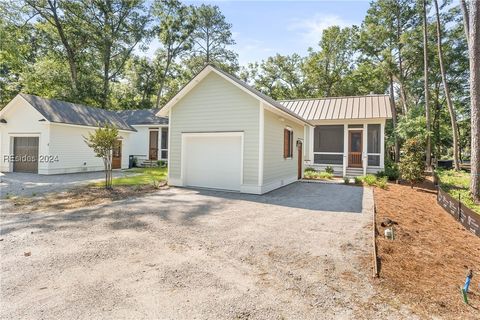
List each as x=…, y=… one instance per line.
x=311, y=29
x=250, y=49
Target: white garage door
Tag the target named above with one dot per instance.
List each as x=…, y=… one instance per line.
x=213, y=161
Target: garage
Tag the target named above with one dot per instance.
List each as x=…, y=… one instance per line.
x=25, y=153
x=212, y=160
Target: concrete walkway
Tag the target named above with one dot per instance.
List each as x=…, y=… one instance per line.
x=29, y=184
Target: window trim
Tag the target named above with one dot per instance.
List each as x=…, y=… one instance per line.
x=288, y=143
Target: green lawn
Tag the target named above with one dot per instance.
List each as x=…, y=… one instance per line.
x=140, y=176
x=457, y=183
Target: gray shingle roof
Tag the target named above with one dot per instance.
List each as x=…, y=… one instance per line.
x=340, y=108
x=141, y=116
x=71, y=113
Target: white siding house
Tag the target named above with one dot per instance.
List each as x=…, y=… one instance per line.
x=47, y=136
x=226, y=135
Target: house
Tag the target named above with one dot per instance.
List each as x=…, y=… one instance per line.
x=224, y=134
x=47, y=136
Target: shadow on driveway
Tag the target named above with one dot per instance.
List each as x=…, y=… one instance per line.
x=311, y=196
x=183, y=206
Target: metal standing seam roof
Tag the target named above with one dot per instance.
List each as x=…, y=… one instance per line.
x=141, y=116
x=70, y=113
x=341, y=108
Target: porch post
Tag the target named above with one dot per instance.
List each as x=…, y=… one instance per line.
x=159, y=144
x=382, y=145
x=364, y=147
x=311, y=144
x=345, y=149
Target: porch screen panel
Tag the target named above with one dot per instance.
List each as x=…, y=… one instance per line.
x=328, y=139
x=373, y=144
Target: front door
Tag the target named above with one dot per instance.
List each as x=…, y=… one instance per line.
x=300, y=159
x=117, y=155
x=355, y=146
x=153, y=149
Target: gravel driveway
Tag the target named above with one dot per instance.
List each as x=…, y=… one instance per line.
x=28, y=184
x=300, y=252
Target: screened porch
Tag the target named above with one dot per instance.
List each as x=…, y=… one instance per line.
x=350, y=149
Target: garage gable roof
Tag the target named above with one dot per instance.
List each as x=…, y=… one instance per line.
x=239, y=83
x=57, y=111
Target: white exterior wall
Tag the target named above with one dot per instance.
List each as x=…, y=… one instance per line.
x=74, y=155
x=278, y=171
x=216, y=105
x=139, y=142
x=22, y=121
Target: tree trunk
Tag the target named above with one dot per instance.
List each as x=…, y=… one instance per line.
x=403, y=94
x=57, y=23
x=466, y=20
x=162, y=81
x=474, y=53
x=394, y=120
x=428, y=149
x=451, y=110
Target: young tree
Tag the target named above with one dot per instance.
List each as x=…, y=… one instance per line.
x=428, y=149
x=177, y=24
x=411, y=164
x=102, y=141
x=451, y=110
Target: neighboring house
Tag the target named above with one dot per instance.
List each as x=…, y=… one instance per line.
x=226, y=135
x=47, y=136
x=150, y=142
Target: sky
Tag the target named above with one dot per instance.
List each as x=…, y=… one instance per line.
x=264, y=28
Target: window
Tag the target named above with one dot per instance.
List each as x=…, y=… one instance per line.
x=287, y=143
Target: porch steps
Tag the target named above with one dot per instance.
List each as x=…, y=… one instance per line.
x=354, y=172
x=149, y=164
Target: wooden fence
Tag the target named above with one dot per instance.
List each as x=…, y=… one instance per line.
x=466, y=216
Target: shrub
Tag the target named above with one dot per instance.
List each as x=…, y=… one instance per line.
x=161, y=163
x=329, y=169
x=358, y=180
x=382, y=183
x=411, y=163
x=325, y=175
x=391, y=170
x=310, y=169
x=317, y=175
x=346, y=180
x=370, y=179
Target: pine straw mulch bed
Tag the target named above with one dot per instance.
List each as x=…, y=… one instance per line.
x=426, y=264
x=82, y=197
